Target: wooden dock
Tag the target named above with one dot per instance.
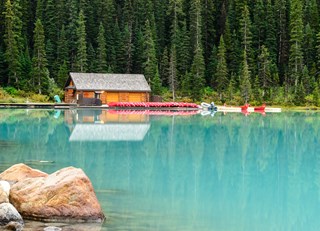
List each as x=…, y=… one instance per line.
x=39, y=105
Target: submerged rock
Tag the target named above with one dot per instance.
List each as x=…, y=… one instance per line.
x=66, y=195
x=10, y=217
x=48, y=226
x=52, y=228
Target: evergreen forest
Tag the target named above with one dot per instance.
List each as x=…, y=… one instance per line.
x=229, y=51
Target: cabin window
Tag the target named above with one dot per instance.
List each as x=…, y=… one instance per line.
x=97, y=95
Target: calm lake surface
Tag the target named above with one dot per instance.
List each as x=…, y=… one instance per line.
x=170, y=172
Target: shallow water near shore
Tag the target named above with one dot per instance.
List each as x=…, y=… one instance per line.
x=191, y=172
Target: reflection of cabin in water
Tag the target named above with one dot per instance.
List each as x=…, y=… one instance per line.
x=107, y=87
x=106, y=125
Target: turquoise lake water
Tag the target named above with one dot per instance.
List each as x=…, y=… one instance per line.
x=169, y=172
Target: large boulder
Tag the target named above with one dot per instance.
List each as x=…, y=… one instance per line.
x=65, y=195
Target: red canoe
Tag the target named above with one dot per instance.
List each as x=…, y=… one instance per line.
x=153, y=104
x=245, y=107
x=260, y=108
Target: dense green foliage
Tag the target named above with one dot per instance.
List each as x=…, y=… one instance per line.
x=229, y=51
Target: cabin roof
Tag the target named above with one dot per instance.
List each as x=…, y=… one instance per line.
x=110, y=82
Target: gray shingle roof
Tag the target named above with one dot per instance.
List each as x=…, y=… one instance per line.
x=111, y=82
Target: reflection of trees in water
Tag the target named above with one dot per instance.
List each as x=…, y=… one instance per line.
x=255, y=159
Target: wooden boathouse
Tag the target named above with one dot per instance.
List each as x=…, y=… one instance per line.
x=107, y=87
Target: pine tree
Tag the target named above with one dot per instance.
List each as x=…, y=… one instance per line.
x=61, y=13
x=183, y=51
x=245, y=85
x=101, y=51
x=311, y=14
x=308, y=81
x=231, y=91
x=309, y=46
x=51, y=33
x=256, y=90
x=197, y=73
x=3, y=68
x=82, y=44
x=296, y=39
x=222, y=70
x=259, y=25
x=106, y=13
x=25, y=70
x=318, y=54
x=128, y=13
x=12, y=39
x=176, y=15
x=39, y=60
x=271, y=31
x=198, y=66
x=173, y=72
x=165, y=68
x=62, y=48
x=62, y=75
x=71, y=32
x=234, y=54
x=246, y=36
x=264, y=72
x=126, y=51
x=283, y=36
x=156, y=84
x=160, y=10
x=316, y=95
x=208, y=13
x=150, y=61
x=212, y=67
x=299, y=96
x=27, y=19
x=91, y=59
x=40, y=9
x=138, y=53
x=115, y=53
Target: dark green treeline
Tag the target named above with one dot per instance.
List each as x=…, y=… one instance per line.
x=229, y=50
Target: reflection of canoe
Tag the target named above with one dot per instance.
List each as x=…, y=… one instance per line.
x=154, y=112
x=153, y=104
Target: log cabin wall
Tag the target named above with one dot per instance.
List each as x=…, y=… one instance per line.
x=107, y=97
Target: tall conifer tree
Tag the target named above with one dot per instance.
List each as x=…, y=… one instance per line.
x=198, y=66
x=150, y=64
x=81, y=44
x=71, y=32
x=101, y=51
x=245, y=85
x=222, y=70
x=246, y=35
x=39, y=61
x=296, y=41
x=176, y=14
x=264, y=72
x=12, y=39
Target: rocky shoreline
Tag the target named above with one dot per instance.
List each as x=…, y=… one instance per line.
x=66, y=195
